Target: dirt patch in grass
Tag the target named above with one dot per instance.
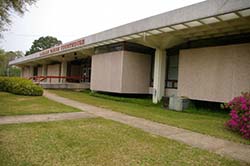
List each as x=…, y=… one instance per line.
x=22, y=99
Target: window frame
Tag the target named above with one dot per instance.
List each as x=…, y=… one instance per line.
x=174, y=82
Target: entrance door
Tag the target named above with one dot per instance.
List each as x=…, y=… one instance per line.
x=86, y=70
x=35, y=73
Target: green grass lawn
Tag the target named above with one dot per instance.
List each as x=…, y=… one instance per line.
x=94, y=142
x=202, y=121
x=11, y=104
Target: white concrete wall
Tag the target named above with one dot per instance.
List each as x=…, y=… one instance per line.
x=170, y=92
x=106, y=72
x=121, y=72
x=53, y=70
x=44, y=69
x=26, y=73
x=214, y=73
x=39, y=71
x=136, y=72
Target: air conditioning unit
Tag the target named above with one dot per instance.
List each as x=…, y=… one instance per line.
x=178, y=103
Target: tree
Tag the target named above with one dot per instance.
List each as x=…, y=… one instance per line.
x=5, y=58
x=43, y=43
x=9, y=6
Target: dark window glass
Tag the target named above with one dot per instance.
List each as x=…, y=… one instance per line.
x=133, y=47
x=152, y=70
x=109, y=48
x=172, y=71
x=84, y=66
x=35, y=73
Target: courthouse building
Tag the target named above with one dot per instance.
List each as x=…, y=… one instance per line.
x=201, y=52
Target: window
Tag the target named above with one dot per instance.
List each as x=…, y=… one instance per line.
x=127, y=46
x=172, y=71
x=109, y=48
x=134, y=47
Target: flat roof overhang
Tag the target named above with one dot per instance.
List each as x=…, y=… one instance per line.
x=211, y=18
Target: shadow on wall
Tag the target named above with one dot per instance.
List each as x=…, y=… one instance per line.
x=209, y=105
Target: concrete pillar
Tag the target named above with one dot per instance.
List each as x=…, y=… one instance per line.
x=31, y=71
x=63, y=70
x=44, y=69
x=22, y=72
x=159, y=75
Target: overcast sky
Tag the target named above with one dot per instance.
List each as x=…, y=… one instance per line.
x=71, y=19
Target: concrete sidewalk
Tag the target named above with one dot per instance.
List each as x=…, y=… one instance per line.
x=44, y=117
x=216, y=145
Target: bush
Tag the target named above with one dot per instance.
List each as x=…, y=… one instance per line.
x=240, y=115
x=20, y=86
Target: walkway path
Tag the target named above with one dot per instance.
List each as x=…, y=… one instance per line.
x=44, y=117
x=219, y=146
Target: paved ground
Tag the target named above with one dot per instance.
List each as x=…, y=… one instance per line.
x=44, y=117
x=219, y=146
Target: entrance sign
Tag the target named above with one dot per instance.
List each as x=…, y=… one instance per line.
x=63, y=47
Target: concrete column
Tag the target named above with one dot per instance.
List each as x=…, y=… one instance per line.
x=44, y=69
x=22, y=72
x=31, y=71
x=63, y=70
x=159, y=75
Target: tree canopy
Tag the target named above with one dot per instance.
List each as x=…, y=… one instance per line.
x=43, y=43
x=5, y=58
x=9, y=6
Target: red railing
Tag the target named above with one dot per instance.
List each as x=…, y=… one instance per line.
x=61, y=78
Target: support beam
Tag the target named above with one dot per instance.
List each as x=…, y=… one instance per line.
x=159, y=75
x=63, y=70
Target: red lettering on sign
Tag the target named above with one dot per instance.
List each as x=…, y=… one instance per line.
x=72, y=44
x=53, y=50
x=43, y=53
x=62, y=47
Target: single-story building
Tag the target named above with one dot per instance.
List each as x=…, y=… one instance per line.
x=201, y=52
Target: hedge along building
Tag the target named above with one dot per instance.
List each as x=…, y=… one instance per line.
x=200, y=51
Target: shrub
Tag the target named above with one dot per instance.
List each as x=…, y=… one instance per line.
x=240, y=115
x=20, y=86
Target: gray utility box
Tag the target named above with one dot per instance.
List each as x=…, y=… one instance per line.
x=178, y=103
